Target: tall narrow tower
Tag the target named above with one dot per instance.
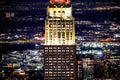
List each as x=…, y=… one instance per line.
x=60, y=50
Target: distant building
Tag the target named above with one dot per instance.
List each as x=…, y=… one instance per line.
x=88, y=65
x=80, y=69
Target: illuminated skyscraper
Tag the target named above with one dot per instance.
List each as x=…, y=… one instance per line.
x=60, y=50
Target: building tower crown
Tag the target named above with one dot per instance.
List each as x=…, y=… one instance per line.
x=59, y=24
x=59, y=1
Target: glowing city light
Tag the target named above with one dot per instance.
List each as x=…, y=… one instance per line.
x=99, y=53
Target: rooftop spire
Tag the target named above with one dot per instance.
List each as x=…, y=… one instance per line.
x=59, y=1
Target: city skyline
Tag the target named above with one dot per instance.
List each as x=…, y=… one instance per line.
x=29, y=37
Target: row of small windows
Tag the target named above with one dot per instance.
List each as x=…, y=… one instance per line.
x=57, y=78
x=59, y=72
x=58, y=65
x=56, y=70
x=58, y=35
x=60, y=21
x=59, y=55
x=63, y=33
x=63, y=38
x=67, y=41
x=58, y=47
x=59, y=32
x=54, y=53
x=58, y=51
x=50, y=74
x=60, y=25
x=65, y=24
x=59, y=58
x=59, y=29
x=58, y=61
x=59, y=11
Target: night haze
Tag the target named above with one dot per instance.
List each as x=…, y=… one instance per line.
x=44, y=39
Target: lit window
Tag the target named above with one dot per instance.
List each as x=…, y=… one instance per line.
x=71, y=69
x=71, y=64
x=46, y=69
x=54, y=48
x=46, y=58
x=71, y=78
x=50, y=69
x=59, y=47
x=59, y=69
x=59, y=58
x=71, y=58
x=50, y=50
x=67, y=72
x=71, y=47
x=71, y=50
x=63, y=72
x=67, y=50
x=46, y=50
x=63, y=61
x=46, y=72
x=67, y=47
x=50, y=74
x=71, y=72
x=50, y=58
x=54, y=59
x=59, y=50
x=59, y=61
x=50, y=47
x=63, y=50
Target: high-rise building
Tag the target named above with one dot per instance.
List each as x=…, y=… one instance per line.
x=60, y=50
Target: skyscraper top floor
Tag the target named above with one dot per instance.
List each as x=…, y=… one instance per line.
x=59, y=1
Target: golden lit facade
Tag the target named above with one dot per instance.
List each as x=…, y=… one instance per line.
x=60, y=50
x=59, y=25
